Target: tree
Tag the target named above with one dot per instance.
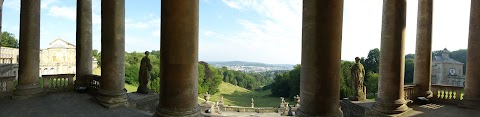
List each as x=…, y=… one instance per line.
x=409, y=68
x=461, y=56
x=373, y=60
x=9, y=40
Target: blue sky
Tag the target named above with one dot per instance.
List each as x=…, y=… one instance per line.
x=266, y=31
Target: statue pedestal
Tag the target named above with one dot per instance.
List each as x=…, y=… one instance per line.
x=362, y=109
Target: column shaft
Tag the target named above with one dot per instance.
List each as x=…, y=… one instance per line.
x=29, y=51
x=391, y=96
x=179, y=59
x=112, y=81
x=321, y=58
x=84, y=42
x=423, y=52
x=472, y=84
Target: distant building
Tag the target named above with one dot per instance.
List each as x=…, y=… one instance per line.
x=447, y=71
x=58, y=58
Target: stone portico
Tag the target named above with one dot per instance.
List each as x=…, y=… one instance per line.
x=320, y=80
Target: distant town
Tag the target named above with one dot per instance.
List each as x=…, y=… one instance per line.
x=250, y=67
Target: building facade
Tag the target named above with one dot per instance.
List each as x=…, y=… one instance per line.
x=447, y=71
x=57, y=58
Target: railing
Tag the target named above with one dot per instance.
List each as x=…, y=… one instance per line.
x=447, y=94
x=444, y=94
x=6, y=86
x=6, y=60
x=93, y=82
x=58, y=82
x=409, y=92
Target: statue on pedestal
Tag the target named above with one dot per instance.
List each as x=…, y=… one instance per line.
x=144, y=74
x=252, y=103
x=297, y=99
x=358, y=74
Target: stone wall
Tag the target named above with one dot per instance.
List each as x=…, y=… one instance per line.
x=9, y=70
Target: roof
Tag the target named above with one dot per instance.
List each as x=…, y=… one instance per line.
x=445, y=58
x=59, y=43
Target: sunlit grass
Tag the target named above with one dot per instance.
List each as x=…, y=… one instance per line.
x=238, y=96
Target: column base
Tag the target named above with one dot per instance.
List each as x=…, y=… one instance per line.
x=396, y=107
x=470, y=103
x=195, y=112
x=300, y=113
x=27, y=91
x=111, y=101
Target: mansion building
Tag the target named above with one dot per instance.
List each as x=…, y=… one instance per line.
x=57, y=58
x=447, y=71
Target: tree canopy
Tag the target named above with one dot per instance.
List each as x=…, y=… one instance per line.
x=9, y=40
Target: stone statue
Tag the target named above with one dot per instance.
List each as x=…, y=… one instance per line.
x=144, y=74
x=297, y=99
x=221, y=101
x=358, y=74
x=252, y=103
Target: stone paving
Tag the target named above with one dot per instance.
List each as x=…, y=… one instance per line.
x=64, y=104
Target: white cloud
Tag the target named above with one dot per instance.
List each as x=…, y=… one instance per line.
x=156, y=33
x=63, y=11
x=275, y=38
x=47, y=3
x=12, y=4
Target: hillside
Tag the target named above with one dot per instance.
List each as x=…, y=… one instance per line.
x=238, y=96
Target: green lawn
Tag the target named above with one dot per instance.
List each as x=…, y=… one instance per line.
x=238, y=96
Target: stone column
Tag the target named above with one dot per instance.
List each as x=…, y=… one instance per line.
x=179, y=59
x=112, y=81
x=391, y=96
x=29, y=51
x=471, y=98
x=84, y=42
x=423, y=52
x=321, y=52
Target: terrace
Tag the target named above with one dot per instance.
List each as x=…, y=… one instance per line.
x=321, y=50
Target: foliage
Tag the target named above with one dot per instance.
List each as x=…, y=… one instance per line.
x=461, y=56
x=209, y=78
x=154, y=85
x=372, y=84
x=409, y=69
x=246, y=80
x=373, y=60
x=9, y=40
x=346, y=81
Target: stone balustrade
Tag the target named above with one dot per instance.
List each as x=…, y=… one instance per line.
x=409, y=92
x=6, y=60
x=6, y=86
x=447, y=94
x=444, y=94
x=58, y=82
x=93, y=82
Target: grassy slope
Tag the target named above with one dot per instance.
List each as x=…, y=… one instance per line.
x=130, y=88
x=238, y=96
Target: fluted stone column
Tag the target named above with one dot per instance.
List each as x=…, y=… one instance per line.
x=423, y=52
x=29, y=51
x=84, y=42
x=112, y=81
x=471, y=98
x=321, y=52
x=391, y=96
x=179, y=59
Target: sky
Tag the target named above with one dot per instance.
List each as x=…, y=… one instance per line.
x=267, y=31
